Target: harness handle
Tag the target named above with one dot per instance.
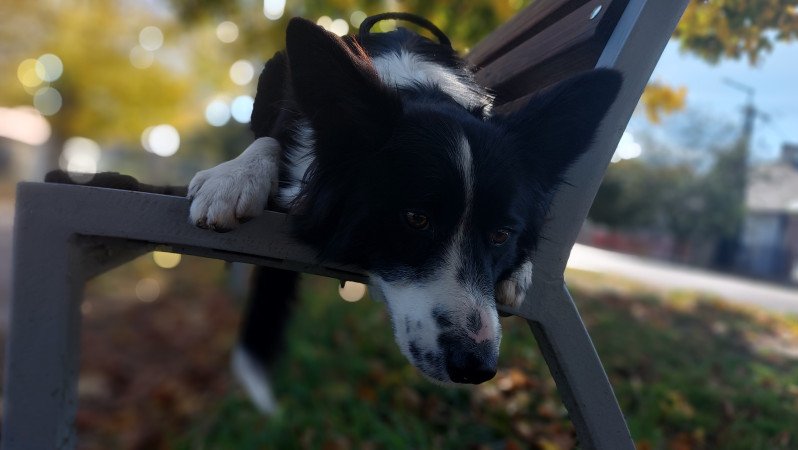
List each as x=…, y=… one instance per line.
x=368, y=23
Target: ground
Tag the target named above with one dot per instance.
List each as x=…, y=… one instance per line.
x=689, y=372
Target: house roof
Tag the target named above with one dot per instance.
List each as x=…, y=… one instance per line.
x=773, y=188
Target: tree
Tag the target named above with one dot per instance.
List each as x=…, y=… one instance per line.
x=736, y=29
x=691, y=203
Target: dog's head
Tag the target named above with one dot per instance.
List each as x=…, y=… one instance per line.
x=438, y=203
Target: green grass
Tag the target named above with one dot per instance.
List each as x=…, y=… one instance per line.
x=689, y=373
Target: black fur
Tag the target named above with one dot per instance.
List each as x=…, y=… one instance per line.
x=381, y=151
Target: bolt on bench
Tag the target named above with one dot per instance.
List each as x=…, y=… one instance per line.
x=66, y=234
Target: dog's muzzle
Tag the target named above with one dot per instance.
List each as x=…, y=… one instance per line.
x=468, y=362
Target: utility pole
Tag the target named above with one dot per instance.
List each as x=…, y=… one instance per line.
x=736, y=167
x=750, y=112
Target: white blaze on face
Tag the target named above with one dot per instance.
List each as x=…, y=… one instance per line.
x=421, y=310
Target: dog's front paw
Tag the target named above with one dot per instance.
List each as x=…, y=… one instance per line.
x=512, y=290
x=237, y=190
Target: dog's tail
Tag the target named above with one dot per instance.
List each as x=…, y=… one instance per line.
x=271, y=300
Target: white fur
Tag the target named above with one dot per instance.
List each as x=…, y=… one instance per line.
x=236, y=189
x=411, y=302
x=298, y=161
x=255, y=380
x=512, y=291
x=405, y=69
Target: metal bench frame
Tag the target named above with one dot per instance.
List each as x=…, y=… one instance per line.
x=64, y=235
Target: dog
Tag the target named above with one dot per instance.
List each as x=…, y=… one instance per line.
x=386, y=151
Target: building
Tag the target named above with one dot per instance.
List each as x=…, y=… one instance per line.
x=770, y=233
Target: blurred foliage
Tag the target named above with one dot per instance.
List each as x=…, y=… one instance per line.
x=736, y=29
x=689, y=373
x=106, y=98
x=691, y=204
x=659, y=100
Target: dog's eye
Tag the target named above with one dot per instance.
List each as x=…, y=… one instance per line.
x=499, y=237
x=417, y=220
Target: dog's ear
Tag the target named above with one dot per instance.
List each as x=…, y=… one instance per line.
x=558, y=124
x=337, y=87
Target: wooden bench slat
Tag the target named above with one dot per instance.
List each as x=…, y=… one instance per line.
x=528, y=22
x=570, y=45
x=515, y=66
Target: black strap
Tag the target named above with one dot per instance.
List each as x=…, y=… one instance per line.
x=369, y=22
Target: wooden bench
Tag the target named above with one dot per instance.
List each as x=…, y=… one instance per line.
x=64, y=235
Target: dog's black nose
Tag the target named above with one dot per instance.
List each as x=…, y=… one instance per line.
x=470, y=368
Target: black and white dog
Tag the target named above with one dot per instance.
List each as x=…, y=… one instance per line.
x=385, y=149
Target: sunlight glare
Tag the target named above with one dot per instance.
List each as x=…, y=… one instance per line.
x=357, y=18
x=325, y=22
x=627, y=148
x=166, y=260
x=339, y=27
x=163, y=140
x=242, y=72
x=217, y=113
x=273, y=9
x=151, y=38
x=148, y=290
x=141, y=58
x=28, y=72
x=351, y=291
x=227, y=32
x=24, y=124
x=48, y=101
x=51, y=67
x=241, y=108
x=80, y=158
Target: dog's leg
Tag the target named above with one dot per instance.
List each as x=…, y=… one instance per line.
x=261, y=341
x=236, y=190
x=511, y=291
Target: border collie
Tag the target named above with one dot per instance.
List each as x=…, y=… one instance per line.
x=385, y=150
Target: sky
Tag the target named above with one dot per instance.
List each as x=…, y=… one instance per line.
x=774, y=79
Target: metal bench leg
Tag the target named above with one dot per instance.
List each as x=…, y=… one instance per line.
x=577, y=370
x=42, y=360
x=51, y=266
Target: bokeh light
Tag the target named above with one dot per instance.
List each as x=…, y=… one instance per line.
x=47, y=100
x=242, y=72
x=339, y=27
x=227, y=32
x=273, y=9
x=145, y=139
x=352, y=291
x=141, y=58
x=50, y=67
x=151, y=38
x=356, y=18
x=148, y=290
x=80, y=158
x=166, y=260
x=28, y=72
x=217, y=113
x=325, y=22
x=241, y=108
x=24, y=124
x=163, y=140
x=627, y=148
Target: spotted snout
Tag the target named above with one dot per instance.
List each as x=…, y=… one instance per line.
x=465, y=347
x=467, y=362
x=450, y=334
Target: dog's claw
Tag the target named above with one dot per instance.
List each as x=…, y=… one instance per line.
x=235, y=191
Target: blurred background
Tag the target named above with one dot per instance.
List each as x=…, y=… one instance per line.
x=685, y=273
